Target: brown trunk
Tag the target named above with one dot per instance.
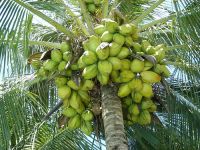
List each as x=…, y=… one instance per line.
x=113, y=119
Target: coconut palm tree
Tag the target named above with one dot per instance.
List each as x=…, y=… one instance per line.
x=30, y=114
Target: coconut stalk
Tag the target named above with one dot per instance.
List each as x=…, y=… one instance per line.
x=113, y=119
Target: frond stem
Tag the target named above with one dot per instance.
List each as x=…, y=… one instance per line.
x=105, y=8
x=46, y=44
x=86, y=16
x=162, y=20
x=44, y=17
x=148, y=11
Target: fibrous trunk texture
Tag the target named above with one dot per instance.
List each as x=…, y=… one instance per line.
x=113, y=119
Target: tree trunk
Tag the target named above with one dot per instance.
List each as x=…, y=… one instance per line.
x=113, y=119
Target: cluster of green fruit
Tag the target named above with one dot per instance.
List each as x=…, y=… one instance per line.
x=57, y=62
x=92, y=5
x=108, y=57
x=76, y=102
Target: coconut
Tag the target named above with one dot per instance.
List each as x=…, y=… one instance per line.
x=85, y=98
x=56, y=55
x=133, y=109
x=107, y=37
x=165, y=71
x=150, y=77
x=36, y=64
x=150, y=50
x=160, y=46
x=135, y=36
x=102, y=51
x=86, y=127
x=134, y=118
x=103, y=78
x=144, y=118
x=125, y=64
x=124, y=90
x=42, y=72
x=125, y=52
x=80, y=63
x=146, y=104
x=118, y=38
x=104, y=67
x=115, y=76
x=75, y=100
x=100, y=29
x=135, y=84
x=50, y=65
x=74, y=67
x=81, y=108
x=137, y=47
x=67, y=56
x=137, y=97
x=147, y=90
x=60, y=81
x=89, y=57
x=64, y=47
x=116, y=63
x=137, y=65
x=129, y=41
x=127, y=101
x=72, y=85
x=153, y=108
x=87, y=115
x=74, y=122
x=90, y=71
x=66, y=103
x=158, y=69
x=147, y=65
x=64, y=92
x=126, y=75
x=111, y=25
x=68, y=72
x=115, y=49
x=93, y=43
x=87, y=85
x=62, y=65
x=91, y=8
x=145, y=44
x=160, y=55
x=125, y=29
x=69, y=112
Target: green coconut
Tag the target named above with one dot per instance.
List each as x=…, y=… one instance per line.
x=90, y=71
x=91, y=8
x=137, y=97
x=124, y=90
x=137, y=65
x=60, y=81
x=115, y=49
x=67, y=56
x=86, y=127
x=147, y=65
x=64, y=92
x=137, y=47
x=103, y=79
x=125, y=29
x=116, y=63
x=150, y=77
x=145, y=44
x=144, y=118
x=56, y=55
x=118, y=38
x=85, y=98
x=75, y=100
x=103, y=51
x=125, y=64
x=107, y=37
x=62, y=65
x=72, y=84
x=147, y=90
x=126, y=75
x=124, y=53
x=129, y=41
x=69, y=112
x=50, y=65
x=87, y=115
x=74, y=122
x=64, y=47
x=87, y=85
x=89, y=57
x=133, y=109
x=100, y=29
x=104, y=67
x=93, y=43
x=111, y=25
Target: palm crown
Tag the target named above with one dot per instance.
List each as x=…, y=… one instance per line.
x=25, y=100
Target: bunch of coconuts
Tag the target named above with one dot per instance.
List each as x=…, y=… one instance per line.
x=110, y=56
x=76, y=99
x=92, y=5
